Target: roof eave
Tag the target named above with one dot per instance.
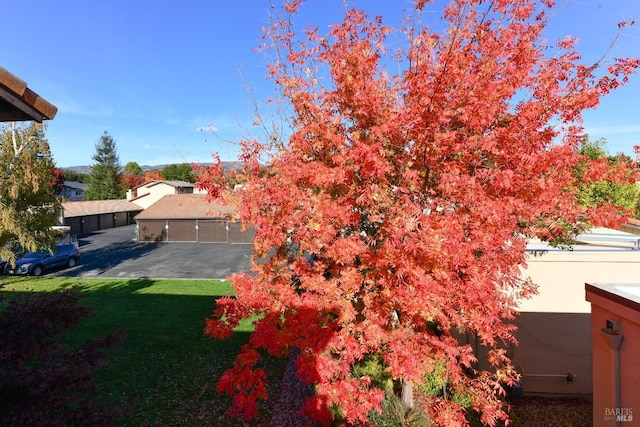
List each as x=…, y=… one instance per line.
x=19, y=103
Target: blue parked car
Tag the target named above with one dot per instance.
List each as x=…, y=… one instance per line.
x=36, y=263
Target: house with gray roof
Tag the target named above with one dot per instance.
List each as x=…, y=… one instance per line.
x=74, y=191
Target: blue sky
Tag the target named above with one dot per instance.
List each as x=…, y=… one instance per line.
x=157, y=74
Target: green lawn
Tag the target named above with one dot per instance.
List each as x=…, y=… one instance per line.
x=166, y=367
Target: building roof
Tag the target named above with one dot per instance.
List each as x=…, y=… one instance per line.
x=598, y=239
x=97, y=207
x=76, y=184
x=185, y=206
x=19, y=103
x=632, y=224
x=177, y=184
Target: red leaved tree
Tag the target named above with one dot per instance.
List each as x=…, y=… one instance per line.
x=153, y=175
x=57, y=181
x=129, y=181
x=393, y=220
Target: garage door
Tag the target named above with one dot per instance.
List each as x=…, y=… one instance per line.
x=151, y=231
x=212, y=231
x=90, y=224
x=237, y=233
x=122, y=219
x=107, y=221
x=75, y=223
x=182, y=231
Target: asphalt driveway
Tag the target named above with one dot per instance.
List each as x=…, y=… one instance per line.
x=115, y=253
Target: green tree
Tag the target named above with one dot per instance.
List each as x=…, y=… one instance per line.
x=29, y=206
x=593, y=193
x=182, y=172
x=133, y=168
x=593, y=150
x=104, y=178
x=71, y=175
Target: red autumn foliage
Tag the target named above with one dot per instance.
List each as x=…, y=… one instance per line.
x=394, y=219
x=153, y=175
x=57, y=181
x=132, y=181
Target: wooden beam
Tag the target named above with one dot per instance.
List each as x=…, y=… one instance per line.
x=23, y=111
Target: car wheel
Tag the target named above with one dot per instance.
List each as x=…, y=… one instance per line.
x=71, y=263
x=37, y=271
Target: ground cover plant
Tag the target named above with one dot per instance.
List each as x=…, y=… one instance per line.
x=166, y=370
x=43, y=381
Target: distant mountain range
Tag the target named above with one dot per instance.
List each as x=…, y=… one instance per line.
x=228, y=166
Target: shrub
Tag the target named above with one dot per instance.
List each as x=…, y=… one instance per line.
x=373, y=367
x=43, y=382
x=396, y=414
x=435, y=382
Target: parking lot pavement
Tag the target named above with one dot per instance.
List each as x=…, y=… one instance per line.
x=115, y=253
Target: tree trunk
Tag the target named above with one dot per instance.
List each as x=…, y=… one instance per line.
x=407, y=394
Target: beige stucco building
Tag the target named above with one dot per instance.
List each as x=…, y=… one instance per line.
x=150, y=192
x=554, y=330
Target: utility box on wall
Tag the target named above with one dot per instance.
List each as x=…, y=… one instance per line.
x=615, y=337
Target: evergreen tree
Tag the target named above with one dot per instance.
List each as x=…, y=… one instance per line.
x=29, y=206
x=104, y=178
